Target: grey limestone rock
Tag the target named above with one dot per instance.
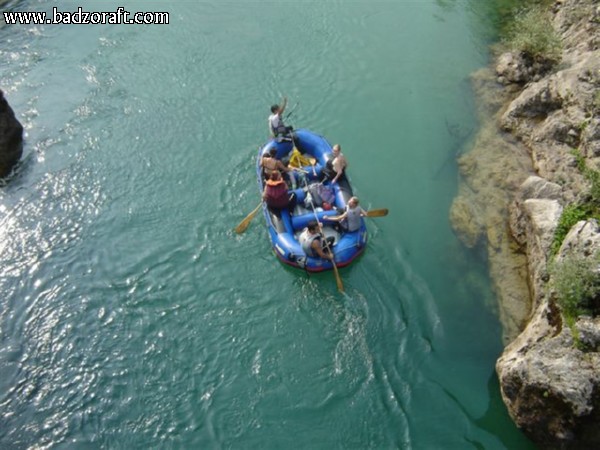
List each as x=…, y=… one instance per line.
x=511, y=68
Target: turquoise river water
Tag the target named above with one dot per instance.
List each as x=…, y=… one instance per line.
x=132, y=316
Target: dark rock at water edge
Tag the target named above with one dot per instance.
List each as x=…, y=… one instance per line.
x=11, y=138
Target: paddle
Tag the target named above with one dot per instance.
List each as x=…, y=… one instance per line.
x=377, y=212
x=244, y=223
x=338, y=278
x=292, y=109
x=372, y=213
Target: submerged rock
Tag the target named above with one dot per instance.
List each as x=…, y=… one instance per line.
x=464, y=218
x=11, y=138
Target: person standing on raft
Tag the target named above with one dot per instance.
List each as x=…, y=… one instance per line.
x=276, y=126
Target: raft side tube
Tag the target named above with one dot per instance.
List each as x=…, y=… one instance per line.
x=288, y=248
x=301, y=221
x=349, y=244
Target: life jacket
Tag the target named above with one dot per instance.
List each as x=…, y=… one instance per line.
x=276, y=124
x=307, y=244
x=353, y=218
x=277, y=194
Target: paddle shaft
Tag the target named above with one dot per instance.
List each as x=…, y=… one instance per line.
x=293, y=108
x=244, y=223
x=338, y=278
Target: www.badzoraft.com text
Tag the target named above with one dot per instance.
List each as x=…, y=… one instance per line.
x=81, y=17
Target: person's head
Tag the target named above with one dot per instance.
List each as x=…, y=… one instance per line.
x=272, y=152
x=353, y=202
x=312, y=226
x=275, y=175
x=275, y=109
x=336, y=149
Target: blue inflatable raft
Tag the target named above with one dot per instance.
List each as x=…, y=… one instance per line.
x=286, y=226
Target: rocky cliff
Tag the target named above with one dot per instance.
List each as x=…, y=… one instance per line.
x=525, y=168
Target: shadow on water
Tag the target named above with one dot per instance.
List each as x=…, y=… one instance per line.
x=496, y=420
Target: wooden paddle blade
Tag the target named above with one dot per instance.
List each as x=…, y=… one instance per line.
x=377, y=212
x=338, y=279
x=246, y=222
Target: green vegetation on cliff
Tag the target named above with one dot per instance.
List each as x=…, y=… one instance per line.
x=531, y=34
x=574, y=212
x=576, y=279
x=526, y=28
x=571, y=214
x=576, y=284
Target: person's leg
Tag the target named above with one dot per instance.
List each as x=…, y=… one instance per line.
x=293, y=200
x=292, y=177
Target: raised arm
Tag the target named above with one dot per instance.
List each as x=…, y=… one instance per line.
x=336, y=218
x=282, y=106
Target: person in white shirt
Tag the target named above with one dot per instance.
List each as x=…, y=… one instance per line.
x=276, y=126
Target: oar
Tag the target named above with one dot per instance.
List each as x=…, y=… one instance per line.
x=292, y=109
x=338, y=278
x=377, y=212
x=372, y=213
x=244, y=223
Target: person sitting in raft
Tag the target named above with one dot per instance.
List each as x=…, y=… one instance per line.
x=276, y=126
x=350, y=219
x=313, y=243
x=335, y=169
x=271, y=164
x=276, y=194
